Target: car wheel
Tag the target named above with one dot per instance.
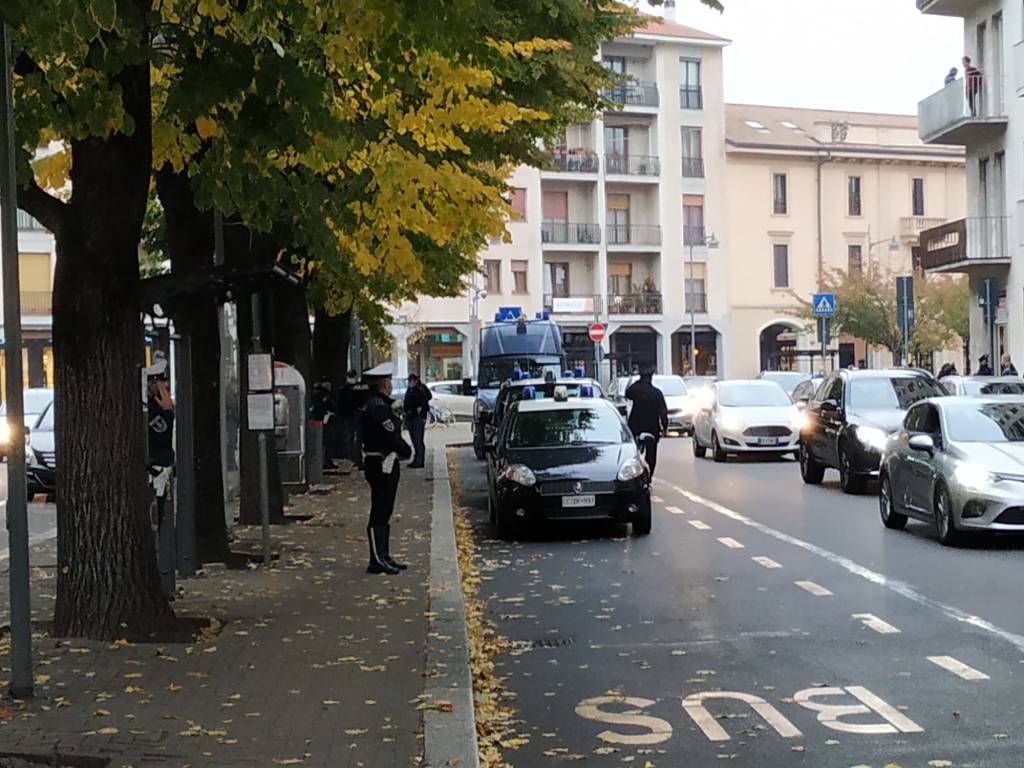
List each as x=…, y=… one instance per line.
x=810, y=470
x=478, y=448
x=945, y=525
x=642, y=522
x=887, y=507
x=849, y=481
x=716, y=449
x=699, y=451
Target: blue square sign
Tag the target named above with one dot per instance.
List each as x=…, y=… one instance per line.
x=824, y=304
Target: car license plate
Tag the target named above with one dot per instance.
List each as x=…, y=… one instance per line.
x=579, y=501
x=768, y=441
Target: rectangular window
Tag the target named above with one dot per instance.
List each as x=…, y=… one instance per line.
x=616, y=64
x=518, y=201
x=918, y=197
x=693, y=152
x=693, y=219
x=854, y=260
x=519, y=276
x=556, y=279
x=620, y=279
x=853, y=195
x=618, y=218
x=780, y=200
x=780, y=265
x=695, y=282
x=492, y=273
x=689, y=84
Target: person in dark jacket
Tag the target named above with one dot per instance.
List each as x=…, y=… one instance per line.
x=1006, y=366
x=321, y=409
x=984, y=369
x=972, y=86
x=416, y=407
x=649, y=414
x=382, y=447
x=951, y=75
x=351, y=398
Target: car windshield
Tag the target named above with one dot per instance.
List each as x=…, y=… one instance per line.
x=896, y=393
x=976, y=387
x=986, y=422
x=752, y=396
x=46, y=421
x=788, y=380
x=493, y=372
x=567, y=426
x=670, y=386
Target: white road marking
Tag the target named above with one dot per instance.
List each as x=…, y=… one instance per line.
x=873, y=622
x=700, y=526
x=657, y=499
x=958, y=668
x=899, y=587
x=659, y=730
x=767, y=562
x=675, y=510
x=731, y=543
x=829, y=714
x=815, y=589
x=693, y=705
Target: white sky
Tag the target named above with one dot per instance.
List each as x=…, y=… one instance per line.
x=860, y=55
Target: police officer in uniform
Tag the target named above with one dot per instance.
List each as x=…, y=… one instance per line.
x=649, y=414
x=382, y=447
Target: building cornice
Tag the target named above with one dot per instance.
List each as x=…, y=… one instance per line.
x=696, y=41
x=841, y=151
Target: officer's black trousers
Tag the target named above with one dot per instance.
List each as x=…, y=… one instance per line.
x=383, y=489
x=417, y=428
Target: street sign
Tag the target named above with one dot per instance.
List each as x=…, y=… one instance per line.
x=905, y=302
x=597, y=331
x=824, y=304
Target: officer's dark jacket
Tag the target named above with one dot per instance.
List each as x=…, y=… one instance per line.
x=351, y=398
x=417, y=400
x=382, y=430
x=649, y=412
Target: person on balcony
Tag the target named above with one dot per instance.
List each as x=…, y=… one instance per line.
x=951, y=75
x=972, y=85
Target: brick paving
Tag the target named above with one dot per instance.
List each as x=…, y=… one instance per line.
x=311, y=663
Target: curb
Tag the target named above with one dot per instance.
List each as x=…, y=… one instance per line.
x=449, y=737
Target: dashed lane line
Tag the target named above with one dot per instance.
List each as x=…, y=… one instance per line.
x=958, y=668
x=815, y=589
x=675, y=510
x=767, y=562
x=657, y=499
x=894, y=585
x=731, y=543
x=699, y=525
x=871, y=621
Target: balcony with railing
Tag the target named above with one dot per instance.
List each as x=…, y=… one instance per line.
x=691, y=97
x=645, y=303
x=569, y=233
x=633, y=234
x=693, y=167
x=632, y=165
x=36, y=303
x=911, y=227
x=961, y=8
x=575, y=304
x=638, y=93
x=956, y=116
x=958, y=246
x=576, y=160
x=28, y=223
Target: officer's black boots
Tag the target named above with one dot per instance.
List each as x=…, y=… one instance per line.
x=378, y=537
x=386, y=554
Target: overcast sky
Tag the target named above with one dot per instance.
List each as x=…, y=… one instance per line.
x=862, y=55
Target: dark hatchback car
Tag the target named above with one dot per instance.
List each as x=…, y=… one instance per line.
x=513, y=391
x=566, y=459
x=851, y=418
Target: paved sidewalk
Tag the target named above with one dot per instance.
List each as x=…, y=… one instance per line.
x=312, y=663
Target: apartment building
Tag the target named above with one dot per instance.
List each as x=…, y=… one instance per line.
x=617, y=227
x=984, y=114
x=811, y=191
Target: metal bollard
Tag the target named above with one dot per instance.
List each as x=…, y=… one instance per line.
x=314, y=453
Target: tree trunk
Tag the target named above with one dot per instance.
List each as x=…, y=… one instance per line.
x=107, y=581
x=330, y=346
x=190, y=244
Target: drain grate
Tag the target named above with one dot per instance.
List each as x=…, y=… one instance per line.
x=554, y=642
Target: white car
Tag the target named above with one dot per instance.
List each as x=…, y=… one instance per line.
x=680, y=406
x=36, y=401
x=747, y=417
x=448, y=394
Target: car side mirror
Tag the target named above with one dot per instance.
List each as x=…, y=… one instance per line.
x=923, y=443
x=468, y=389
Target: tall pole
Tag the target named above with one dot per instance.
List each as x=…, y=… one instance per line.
x=17, y=511
x=261, y=436
x=693, y=321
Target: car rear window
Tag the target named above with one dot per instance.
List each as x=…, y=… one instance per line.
x=986, y=422
x=670, y=386
x=565, y=426
x=765, y=395
x=896, y=393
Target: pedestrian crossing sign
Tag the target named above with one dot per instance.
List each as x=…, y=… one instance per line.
x=824, y=304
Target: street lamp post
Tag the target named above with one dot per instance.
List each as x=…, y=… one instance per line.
x=711, y=242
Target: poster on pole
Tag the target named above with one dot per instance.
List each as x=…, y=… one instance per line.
x=260, y=410
x=261, y=373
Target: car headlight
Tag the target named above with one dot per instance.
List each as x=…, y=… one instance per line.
x=973, y=476
x=731, y=421
x=800, y=421
x=872, y=437
x=520, y=475
x=631, y=469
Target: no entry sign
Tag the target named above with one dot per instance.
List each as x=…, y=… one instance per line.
x=597, y=331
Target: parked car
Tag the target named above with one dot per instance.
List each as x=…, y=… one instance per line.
x=754, y=416
x=958, y=462
x=513, y=391
x=566, y=459
x=41, y=454
x=788, y=380
x=36, y=400
x=680, y=406
x=851, y=418
x=448, y=394
x=982, y=385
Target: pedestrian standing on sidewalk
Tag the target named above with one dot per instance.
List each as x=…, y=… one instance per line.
x=160, y=432
x=321, y=409
x=382, y=447
x=984, y=369
x=649, y=414
x=417, y=407
x=1006, y=366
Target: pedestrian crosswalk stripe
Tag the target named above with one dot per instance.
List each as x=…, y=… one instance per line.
x=657, y=499
x=731, y=543
x=958, y=668
x=767, y=562
x=675, y=510
x=815, y=589
x=700, y=526
x=873, y=622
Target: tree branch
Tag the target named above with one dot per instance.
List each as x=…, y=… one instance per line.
x=50, y=211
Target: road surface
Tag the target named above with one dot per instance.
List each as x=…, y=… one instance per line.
x=763, y=622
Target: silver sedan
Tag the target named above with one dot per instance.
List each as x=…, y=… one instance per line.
x=958, y=462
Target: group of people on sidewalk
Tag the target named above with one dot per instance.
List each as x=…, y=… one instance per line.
x=1006, y=368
